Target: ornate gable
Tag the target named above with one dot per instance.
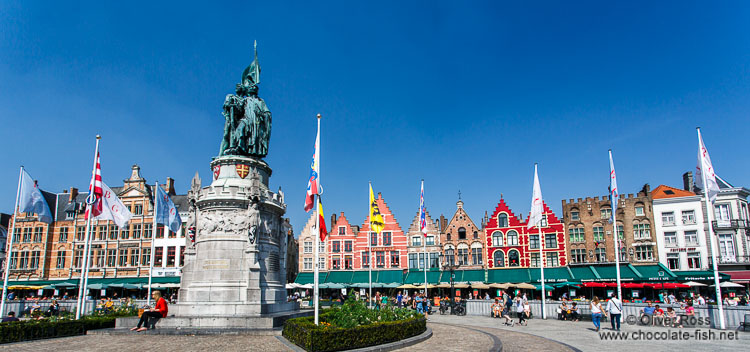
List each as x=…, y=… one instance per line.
x=431, y=228
x=502, y=207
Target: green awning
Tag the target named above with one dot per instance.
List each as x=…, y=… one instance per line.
x=556, y=274
x=651, y=272
x=363, y=276
x=584, y=273
x=473, y=276
x=417, y=277
x=389, y=276
x=339, y=277
x=501, y=276
x=546, y=287
x=698, y=275
x=308, y=278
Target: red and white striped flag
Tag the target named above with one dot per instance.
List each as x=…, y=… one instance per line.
x=96, y=209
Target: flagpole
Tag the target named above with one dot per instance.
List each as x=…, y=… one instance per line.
x=613, y=205
x=316, y=279
x=153, y=240
x=424, y=236
x=10, y=244
x=369, y=249
x=711, y=236
x=84, y=266
x=541, y=253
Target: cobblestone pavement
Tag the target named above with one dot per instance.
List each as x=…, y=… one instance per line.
x=450, y=333
x=581, y=335
x=119, y=343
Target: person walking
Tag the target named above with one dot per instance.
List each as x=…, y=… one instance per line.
x=596, y=312
x=519, y=311
x=399, y=299
x=614, y=307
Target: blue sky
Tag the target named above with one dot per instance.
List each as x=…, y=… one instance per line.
x=466, y=95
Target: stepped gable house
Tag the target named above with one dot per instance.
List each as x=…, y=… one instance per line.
x=306, y=243
x=416, y=245
x=388, y=249
x=461, y=241
x=590, y=233
x=510, y=244
x=341, y=242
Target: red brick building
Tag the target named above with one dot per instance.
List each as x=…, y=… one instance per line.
x=388, y=249
x=510, y=244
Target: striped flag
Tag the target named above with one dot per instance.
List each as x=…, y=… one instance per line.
x=321, y=221
x=96, y=205
x=422, y=212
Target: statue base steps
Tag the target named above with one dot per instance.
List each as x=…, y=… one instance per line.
x=216, y=324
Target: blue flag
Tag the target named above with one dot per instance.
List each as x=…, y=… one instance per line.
x=166, y=212
x=613, y=192
x=31, y=199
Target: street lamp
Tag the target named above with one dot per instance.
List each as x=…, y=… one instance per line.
x=661, y=278
x=451, y=266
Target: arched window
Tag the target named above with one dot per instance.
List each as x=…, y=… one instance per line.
x=497, y=239
x=448, y=236
x=502, y=220
x=512, y=238
x=461, y=233
x=513, y=258
x=499, y=259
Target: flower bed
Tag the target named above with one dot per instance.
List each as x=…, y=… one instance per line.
x=353, y=326
x=50, y=328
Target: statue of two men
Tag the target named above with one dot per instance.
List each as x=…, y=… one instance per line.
x=247, y=127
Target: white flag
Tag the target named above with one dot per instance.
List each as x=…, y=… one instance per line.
x=704, y=164
x=537, y=209
x=113, y=209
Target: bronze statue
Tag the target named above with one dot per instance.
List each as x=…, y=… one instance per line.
x=247, y=128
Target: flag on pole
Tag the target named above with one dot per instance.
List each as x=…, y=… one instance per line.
x=704, y=164
x=32, y=201
x=113, y=209
x=321, y=220
x=313, y=187
x=96, y=207
x=537, y=209
x=376, y=220
x=422, y=212
x=166, y=212
x=613, y=193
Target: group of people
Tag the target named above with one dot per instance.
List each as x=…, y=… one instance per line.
x=613, y=309
x=504, y=307
x=568, y=311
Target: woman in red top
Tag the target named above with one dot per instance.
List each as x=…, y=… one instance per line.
x=152, y=315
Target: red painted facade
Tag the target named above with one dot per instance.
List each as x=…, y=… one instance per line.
x=390, y=248
x=341, y=245
x=508, y=240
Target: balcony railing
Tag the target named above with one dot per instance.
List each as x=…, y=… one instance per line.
x=731, y=260
x=730, y=224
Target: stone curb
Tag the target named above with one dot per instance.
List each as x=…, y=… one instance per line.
x=187, y=331
x=377, y=348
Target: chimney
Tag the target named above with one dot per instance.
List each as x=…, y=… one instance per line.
x=170, y=186
x=333, y=220
x=687, y=181
x=73, y=194
x=443, y=223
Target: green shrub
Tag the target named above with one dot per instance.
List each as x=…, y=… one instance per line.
x=353, y=326
x=50, y=328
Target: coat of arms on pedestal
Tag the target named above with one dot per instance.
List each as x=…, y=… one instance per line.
x=242, y=170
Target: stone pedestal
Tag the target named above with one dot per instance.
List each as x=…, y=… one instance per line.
x=235, y=267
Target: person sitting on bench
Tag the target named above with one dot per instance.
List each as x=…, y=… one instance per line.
x=151, y=316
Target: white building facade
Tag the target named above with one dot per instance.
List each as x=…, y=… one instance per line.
x=679, y=229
